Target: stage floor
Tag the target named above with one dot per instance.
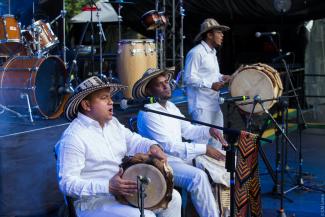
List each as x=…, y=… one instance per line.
x=28, y=180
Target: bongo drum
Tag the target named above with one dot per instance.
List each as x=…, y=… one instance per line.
x=257, y=79
x=133, y=59
x=160, y=187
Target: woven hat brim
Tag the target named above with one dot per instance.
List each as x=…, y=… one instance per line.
x=222, y=28
x=139, y=88
x=71, y=108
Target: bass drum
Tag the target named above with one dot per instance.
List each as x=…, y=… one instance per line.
x=41, y=79
x=133, y=59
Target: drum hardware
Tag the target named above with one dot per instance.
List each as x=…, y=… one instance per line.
x=25, y=95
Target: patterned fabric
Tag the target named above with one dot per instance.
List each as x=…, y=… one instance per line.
x=247, y=182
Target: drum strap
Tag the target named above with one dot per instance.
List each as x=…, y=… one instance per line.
x=247, y=180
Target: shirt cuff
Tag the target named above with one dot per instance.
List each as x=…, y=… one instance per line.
x=102, y=187
x=206, y=133
x=200, y=149
x=208, y=84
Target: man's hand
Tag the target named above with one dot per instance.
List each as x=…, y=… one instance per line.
x=216, y=134
x=156, y=151
x=217, y=85
x=119, y=186
x=226, y=78
x=215, y=154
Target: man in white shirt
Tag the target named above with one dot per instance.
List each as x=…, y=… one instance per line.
x=202, y=75
x=91, y=149
x=169, y=132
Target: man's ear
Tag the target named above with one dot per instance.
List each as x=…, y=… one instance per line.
x=85, y=104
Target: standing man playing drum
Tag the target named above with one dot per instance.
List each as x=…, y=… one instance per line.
x=91, y=149
x=169, y=132
x=202, y=75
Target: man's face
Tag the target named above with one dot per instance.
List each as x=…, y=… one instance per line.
x=216, y=38
x=99, y=105
x=159, y=87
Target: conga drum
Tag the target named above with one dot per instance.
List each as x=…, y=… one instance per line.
x=38, y=78
x=159, y=189
x=257, y=79
x=10, y=38
x=133, y=59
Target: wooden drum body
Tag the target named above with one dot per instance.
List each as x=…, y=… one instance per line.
x=10, y=38
x=134, y=58
x=257, y=79
x=38, y=78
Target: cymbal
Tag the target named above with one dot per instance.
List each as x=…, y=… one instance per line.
x=121, y=2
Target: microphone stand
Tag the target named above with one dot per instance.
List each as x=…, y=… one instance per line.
x=230, y=155
x=141, y=194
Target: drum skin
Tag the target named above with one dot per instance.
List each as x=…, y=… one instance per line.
x=257, y=79
x=133, y=59
x=160, y=188
x=39, y=78
x=10, y=38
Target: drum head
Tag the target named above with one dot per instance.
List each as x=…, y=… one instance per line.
x=155, y=191
x=251, y=82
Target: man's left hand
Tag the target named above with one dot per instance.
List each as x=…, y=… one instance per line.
x=156, y=151
x=216, y=134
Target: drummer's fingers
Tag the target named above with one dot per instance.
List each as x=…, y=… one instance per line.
x=128, y=182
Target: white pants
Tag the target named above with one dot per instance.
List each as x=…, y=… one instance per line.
x=211, y=117
x=109, y=207
x=196, y=181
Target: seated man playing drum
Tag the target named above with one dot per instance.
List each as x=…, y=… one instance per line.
x=169, y=132
x=91, y=149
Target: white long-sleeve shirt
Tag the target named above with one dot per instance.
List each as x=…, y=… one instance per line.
x=88, y=156
x=201, y=71
x=168, y=132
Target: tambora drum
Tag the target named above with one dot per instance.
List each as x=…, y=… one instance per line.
x=134, y=57
x=46, y=36
x=160, y=187
x=39, y=78
x=10, y=38
x=257, y=79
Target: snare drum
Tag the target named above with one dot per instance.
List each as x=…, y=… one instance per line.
x=257, y=79
x=133, y=59
x=38, y=78
x=10, y=40
x=153, y=20
x=160, y=188
x=42, y=30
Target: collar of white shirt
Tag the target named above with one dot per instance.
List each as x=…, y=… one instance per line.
x=208, y=48
x=87, y=121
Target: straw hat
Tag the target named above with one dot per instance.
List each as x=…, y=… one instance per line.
x=209, y=24
x=139, y=88
x=85, y=88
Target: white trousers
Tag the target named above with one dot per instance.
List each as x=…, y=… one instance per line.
x=109, y=207
x=196, y=181
x=211, y=117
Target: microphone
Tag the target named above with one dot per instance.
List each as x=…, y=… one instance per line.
x=259, y=34
x=144, y=179
x=281, y=56
x=173, y=84
x=233, y=99
x=137, y=103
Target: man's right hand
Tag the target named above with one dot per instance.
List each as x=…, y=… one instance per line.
x=215, y=154
x=119, y=186
x=217, y=85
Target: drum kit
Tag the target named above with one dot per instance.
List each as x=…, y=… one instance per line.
x=30, y=77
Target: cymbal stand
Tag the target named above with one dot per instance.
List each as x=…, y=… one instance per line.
x=119, y=20
x=92, y=3
x=4, y=108
x=101, y=38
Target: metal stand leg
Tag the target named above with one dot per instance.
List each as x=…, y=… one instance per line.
x=28, y=104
